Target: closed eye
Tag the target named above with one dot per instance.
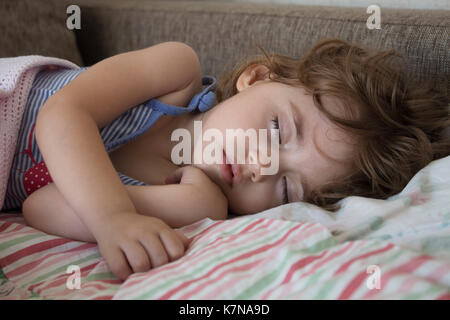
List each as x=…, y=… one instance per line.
x=285, y=193
x=276, y=125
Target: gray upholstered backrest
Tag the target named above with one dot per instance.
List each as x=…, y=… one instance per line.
x=223, y=33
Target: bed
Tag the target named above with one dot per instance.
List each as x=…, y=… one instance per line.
x=397, y=248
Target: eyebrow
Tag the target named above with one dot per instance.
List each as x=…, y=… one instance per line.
x=298, y=128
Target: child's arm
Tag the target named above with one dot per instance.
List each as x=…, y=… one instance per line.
x=177, y=205
x=47, y=210
x=67, y=132
x=188, y=196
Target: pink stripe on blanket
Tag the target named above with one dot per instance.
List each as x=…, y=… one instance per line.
x=301, y=264
x=287, y=287
x=5, y=225
x=272, y=257
x=345, y=266
x=406, y=268
x=13, y=226
x=32, y=249
x=212, y=281
x=333, y=255
x=353, y=285
x=42, y=263
x=220, y=288
x=444, y=296
x=6, y=235
x=243, y=256
x=59, y=280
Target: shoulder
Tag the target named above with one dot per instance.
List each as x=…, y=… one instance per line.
x=191, y=71
x=193, y=83
x=182, y=97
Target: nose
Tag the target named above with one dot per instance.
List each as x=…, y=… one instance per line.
x=253, y=167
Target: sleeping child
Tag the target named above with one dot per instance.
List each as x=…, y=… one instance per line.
x=98, y=153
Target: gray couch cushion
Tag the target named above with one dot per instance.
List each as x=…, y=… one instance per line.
x=222, y=33
x=36, y=27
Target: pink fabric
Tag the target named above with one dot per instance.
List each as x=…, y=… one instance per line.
x=16, y=77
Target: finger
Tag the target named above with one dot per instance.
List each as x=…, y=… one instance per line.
x=137, y=256
x=174, y=177
x=117, y=262
x=183, y=238
x=173, y=244
x=192, y=175
x=155, y=249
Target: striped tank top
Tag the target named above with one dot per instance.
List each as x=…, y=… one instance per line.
x=28, y=171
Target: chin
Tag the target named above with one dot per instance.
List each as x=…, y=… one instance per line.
x=237, y=211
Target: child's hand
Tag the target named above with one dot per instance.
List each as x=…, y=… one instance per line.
x=188, y=175
x=214, y=202
x=195, y=176
x=131, y=242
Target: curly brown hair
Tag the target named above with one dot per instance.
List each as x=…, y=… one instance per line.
x=399, y=125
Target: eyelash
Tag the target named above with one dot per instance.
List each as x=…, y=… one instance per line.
x=276, y=125
x=285, y=195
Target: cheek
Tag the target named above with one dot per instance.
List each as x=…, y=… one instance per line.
x=251, y=199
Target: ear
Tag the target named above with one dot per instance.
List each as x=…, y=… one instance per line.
x=251, y=75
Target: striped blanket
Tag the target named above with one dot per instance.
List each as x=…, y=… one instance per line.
x=242, y=258
x=371, y=249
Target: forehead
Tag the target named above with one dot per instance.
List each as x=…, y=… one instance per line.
x=331, y=141
x=334, y=145
x=329, y=146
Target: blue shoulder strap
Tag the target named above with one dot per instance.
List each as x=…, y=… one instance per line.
x=203, y=100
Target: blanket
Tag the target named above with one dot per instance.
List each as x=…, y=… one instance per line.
x=16, y=77
x=397, y=248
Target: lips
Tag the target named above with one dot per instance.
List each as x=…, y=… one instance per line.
x=236, y=170
x=231, y=173
x=226, y=171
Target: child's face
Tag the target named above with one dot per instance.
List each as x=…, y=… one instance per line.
x=319, y=153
